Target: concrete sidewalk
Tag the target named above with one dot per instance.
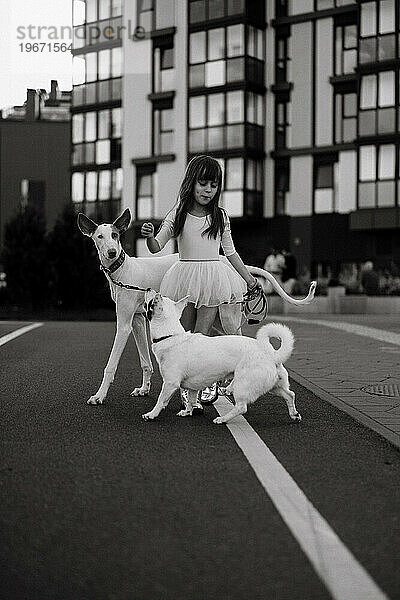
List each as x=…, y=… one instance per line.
x=351, y=364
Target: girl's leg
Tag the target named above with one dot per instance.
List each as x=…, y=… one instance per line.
x=188, y=318
x=205, y=319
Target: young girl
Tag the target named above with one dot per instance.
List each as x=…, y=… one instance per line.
x=200, y=226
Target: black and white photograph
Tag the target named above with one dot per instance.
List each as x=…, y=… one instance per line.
x=200, y=300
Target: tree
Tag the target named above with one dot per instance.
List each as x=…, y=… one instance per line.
x=76, y=280
x=25, y=259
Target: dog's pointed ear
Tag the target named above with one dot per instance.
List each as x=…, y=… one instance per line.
x=86, y=225
x=122, y=222
x=181, y=304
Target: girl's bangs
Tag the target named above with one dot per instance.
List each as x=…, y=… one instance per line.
x=210, y=171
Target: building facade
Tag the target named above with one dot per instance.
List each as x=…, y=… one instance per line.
x=97, y=109
x=35, y=153
x=298, y=99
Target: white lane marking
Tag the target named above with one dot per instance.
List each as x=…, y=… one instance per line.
x=338, y=569
x=18, y=332
x=381, y=335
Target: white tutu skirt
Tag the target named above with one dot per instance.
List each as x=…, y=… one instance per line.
x=208, y=283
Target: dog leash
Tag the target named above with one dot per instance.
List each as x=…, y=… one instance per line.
x=113, y=267
x=258, y=310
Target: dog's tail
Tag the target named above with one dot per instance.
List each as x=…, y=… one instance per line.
x=277, y=330
x=264, y=276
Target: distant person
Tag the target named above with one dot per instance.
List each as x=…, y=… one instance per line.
x=370, y=279
x=289, y=272
x=275, y=263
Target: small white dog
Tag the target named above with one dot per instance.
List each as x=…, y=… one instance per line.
x=195, y=361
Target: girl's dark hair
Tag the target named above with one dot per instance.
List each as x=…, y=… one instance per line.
x=199, y=168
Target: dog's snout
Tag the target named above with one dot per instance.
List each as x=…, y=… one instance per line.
x=112, y=253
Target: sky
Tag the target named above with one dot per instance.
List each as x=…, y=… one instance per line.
x=20, y=69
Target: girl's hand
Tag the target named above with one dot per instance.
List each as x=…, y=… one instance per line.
x=253, y=285
x=254, y=289
x=147, y=230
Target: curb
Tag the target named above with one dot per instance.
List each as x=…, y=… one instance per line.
x=388, y=434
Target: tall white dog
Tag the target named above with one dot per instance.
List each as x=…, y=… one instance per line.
x=141, y=274
x=194, y=361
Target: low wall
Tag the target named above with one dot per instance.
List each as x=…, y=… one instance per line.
x=338, y=303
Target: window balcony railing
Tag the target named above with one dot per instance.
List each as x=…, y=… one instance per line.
x=97, y=92
x=227, y=137
x=98, y=32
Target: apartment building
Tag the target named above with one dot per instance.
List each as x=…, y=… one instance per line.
x=297, y=99
x=35, y=142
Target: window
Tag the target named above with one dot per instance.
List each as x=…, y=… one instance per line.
x=217, y=57
x=164, y=131
x=145, y=194
x=204, y=10
x=116, y=122
x=116, y=8
x=325, y=4
x=103, y=152
x=282, y=123
x=91, y=186
x=282, y=59
x=324, y=194
x=78, y=154
x=91, y=66
x=377, y=103
x=345, y=117
x=78, y=70
x=104, y=185
x=117, y=180
x=255, y=108
x=232, y=197
x=282, y=179
x=377, y=176
x=91, y=11
x=346, y=48
x=377, y=30
x=145, y=14
x=216, y=121
x=255, y=43
x=104, y=9
x=116, y=62
x=90, y=126
x=103, y=120
x=77, y=128
x=104, y=64
x=163, y=67
x=78, y=187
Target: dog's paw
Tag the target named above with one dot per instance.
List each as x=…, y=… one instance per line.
x=296, y=417
x=141, y=391
x=218, y=421
x=184, y=413
x=95, y=400
x=148, y=417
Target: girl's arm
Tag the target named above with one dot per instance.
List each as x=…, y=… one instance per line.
x=165, y=233
x=233, y=257
x=147, y=231
x=241, y=268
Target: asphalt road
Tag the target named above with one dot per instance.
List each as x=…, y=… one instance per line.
x=98, y=504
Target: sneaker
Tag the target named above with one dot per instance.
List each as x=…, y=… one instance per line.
x=197, y=408
x=209, y=395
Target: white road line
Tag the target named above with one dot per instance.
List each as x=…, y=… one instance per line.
x=18, y=332
x=338, y=569
x=381, y=335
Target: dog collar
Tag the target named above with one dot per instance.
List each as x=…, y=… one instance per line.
x=160, y=339
x=116, y=264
